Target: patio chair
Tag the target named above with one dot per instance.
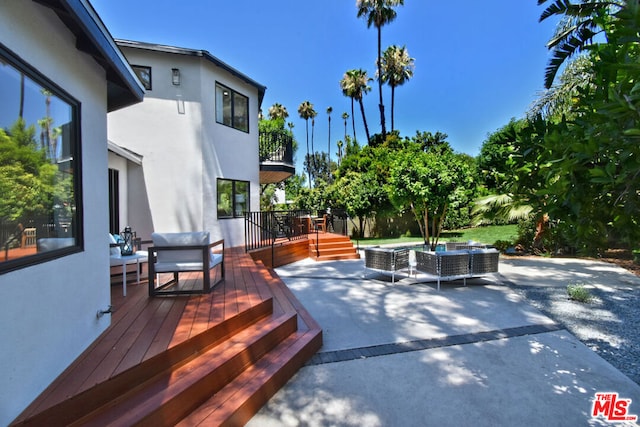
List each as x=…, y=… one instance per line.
x=180, y=253
x=321, y=223
x=387, y=260
x=117, y=259
x=484, y=261
x=450, y=265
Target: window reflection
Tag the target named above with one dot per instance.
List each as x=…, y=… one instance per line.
x=233, y=198
x=38, y=170
x=232, y=108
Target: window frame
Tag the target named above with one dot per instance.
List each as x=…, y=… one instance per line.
x=233, y=94
x=234, y=193
x=136, y=68
x=77, y=223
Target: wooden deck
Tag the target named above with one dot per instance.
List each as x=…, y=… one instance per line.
x=151, y=340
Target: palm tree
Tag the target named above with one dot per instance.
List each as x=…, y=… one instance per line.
x=339, y=143
x=314, y=113
x=278, y=111
x=397, y=68
x=345, y=117
x=305, y=110
x=580, y=23
x=355, y=84
x=378, y=13
x=329, y=111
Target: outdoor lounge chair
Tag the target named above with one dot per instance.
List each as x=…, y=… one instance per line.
x=386, y=260
x=484, y=261
x=450, y=265
x=184, y=252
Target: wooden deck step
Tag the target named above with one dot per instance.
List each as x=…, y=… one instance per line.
x=332, y=247
x=215, y=358
x=104, y=393
x=167, y=398
x=241, y=399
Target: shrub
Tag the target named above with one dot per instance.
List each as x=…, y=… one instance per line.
x=577, y=292
x=502, y=245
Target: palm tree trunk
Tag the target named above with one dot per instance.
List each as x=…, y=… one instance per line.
x=381, y=105
x=353, y=122
x=393, y=101
x=329, y=143
x=308, y=164
x=364, y=120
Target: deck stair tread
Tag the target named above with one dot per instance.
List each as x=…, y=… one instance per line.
x=214, y=359
x=167, y=398
x=241, y=399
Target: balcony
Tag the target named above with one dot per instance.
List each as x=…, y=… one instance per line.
x=276, y=157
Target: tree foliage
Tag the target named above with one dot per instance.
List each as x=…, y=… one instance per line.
x=27, y=179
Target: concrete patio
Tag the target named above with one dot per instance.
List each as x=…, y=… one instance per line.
x=405, y=354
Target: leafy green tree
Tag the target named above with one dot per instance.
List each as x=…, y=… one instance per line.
x=396, y=69
x=425, y=183
x=27, y=179
x=595, y=171
x=360, y=194
x=379, y=13
x=355, y=84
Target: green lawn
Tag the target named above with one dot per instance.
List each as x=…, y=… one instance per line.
x=489, y=235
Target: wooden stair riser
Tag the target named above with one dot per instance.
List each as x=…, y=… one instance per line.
x=240, y=400
x=168, y=398
x=107, y=392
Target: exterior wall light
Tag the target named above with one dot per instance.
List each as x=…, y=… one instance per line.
x=175, y=76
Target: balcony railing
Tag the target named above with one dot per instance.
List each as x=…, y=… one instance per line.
x=276, y=157
x=276, y=147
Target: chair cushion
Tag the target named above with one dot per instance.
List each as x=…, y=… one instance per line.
x=113, y=250
x=189, y=256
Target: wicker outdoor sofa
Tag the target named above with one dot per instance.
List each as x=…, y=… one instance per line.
x=386, y=260
x=458, y=264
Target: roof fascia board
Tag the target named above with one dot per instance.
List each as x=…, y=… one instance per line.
x=197, y=53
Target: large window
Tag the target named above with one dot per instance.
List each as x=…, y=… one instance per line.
x=233, y=198
x=40, y=206
x=232, y=108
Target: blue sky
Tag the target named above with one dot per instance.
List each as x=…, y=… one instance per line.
x=477, y=63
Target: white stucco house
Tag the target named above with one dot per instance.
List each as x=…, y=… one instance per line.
x=61, y=72
x=186, y=158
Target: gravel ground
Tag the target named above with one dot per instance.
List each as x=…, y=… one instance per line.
x=609, y=324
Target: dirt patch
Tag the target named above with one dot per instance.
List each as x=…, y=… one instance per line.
x=622, y=258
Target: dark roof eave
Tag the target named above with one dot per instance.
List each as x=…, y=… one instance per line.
x=198, y=53
x=93, y=38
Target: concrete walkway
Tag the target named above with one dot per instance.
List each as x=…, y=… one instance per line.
x=405, y=354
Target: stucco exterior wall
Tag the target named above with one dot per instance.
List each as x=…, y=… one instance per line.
x=184, y=149
x=48, y=311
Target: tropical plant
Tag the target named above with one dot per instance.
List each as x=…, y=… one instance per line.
x=345, y=117
x=278, y=111
x=396, y=69
x=306, y=111
x=579, y=24
x=379, y=13
x=355, y=84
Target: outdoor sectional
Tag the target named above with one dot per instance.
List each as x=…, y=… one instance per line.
x=458, y=264
x=386, y=260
